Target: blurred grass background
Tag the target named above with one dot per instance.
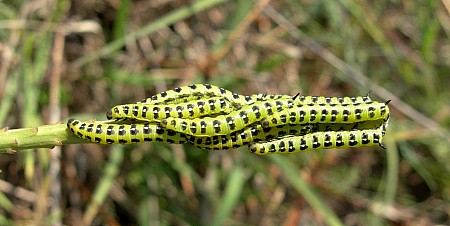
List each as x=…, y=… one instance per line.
x=61, y=59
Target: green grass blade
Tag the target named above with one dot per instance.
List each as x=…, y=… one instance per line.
x=291, y=173
x=104, y=185
x=231, y=195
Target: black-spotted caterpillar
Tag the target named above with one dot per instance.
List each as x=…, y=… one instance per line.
x=110, y=132
x=188, y=110
x=320, y=140
x=210, y=117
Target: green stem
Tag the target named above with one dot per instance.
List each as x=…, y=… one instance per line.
x=45, y=136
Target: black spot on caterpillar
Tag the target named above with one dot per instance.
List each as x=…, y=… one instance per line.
x=108, y=132
x=320, y=140
x=274, y=113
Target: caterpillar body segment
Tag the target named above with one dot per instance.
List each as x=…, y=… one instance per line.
x=226, y=124
x=253, y=133
x=328, y=113
x=157, y=112
x=109, y=132
x=320, y=140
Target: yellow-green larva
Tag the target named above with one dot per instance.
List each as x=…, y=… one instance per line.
x=214, y=118
x=253, y=133
x=157, y=112
x=203, y=91
x=320, y=140
x=328, y=113
x=110, y=132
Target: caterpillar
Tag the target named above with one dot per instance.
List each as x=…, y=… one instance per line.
x=201, y=91
x=253, y=133
x=191, y=109
x=328, y=113
x=320, y=140
x=110, y=132
x=203, y=107
x=276, y=112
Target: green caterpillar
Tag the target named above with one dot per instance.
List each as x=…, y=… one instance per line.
x=110, y=132
x=320, y=140
x=234, y=120
x=202, y=91
x=276, y=112
x=328, y=113
x=253, y=133
x=191, y=109
x=205, y=107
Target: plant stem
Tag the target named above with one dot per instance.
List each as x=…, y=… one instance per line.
x=45, y=136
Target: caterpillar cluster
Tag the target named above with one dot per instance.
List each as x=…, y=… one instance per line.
x=213, y=118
